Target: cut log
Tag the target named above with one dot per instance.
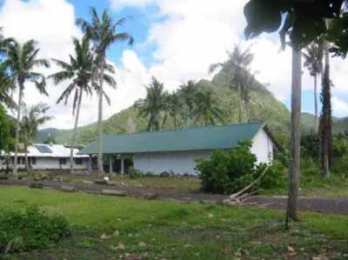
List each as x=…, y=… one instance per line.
x=68, y=188
x=118, y=193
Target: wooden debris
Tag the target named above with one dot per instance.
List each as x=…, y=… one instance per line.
x=68, y=188
x=118, y=193
x=241, y=196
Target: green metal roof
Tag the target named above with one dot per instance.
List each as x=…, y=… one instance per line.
x=189, y=139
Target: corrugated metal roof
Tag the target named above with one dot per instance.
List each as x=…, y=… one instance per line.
x=55, y=151
x=190, y=139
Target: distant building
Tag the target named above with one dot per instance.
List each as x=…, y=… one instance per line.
x=47, y=157
x=176, y=151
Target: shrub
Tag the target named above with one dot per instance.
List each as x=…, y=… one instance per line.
x=31, y=229
x=229, y=171
x=275, y=177
x=134, y=173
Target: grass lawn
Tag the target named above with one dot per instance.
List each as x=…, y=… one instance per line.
x=315, y=186
x=126, y=228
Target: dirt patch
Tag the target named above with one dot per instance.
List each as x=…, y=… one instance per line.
x=322, y=205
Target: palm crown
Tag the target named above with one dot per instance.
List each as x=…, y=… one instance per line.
x=22, y=61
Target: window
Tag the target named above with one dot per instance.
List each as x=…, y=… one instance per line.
x=62, y=161
x=78, y=161
x=33, y=160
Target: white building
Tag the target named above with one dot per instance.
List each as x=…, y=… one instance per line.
x=47, y=157
x=177, y=151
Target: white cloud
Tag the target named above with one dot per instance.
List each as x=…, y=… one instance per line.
x=339, y=107
x=195, y=34
x=118, y=4
x=42, y=20
x=190, y=36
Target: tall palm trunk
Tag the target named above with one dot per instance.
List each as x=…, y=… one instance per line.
x=316, y=122
x=295, y=141
x=73, y=139
x=100, y=118
x=20, y=98
x=326, y=120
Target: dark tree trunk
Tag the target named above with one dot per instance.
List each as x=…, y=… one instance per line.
x=316, y=122
x=326, y=118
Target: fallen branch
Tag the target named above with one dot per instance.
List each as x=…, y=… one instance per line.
x=239, y=195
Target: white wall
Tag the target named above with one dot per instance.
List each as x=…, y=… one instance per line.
x=262, y=147
x=185, y=162
x=178, y=162
x=51, y=164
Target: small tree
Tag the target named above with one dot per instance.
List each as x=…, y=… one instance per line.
x=33, y=117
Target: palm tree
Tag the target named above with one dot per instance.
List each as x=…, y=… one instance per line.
x=154, y=105
x=237, y=68
x=187, y=93
x=173, y=109
x=206, y=109
x=32, y=118
x=103, y=32
x=78, y=71
x=314, y=62
x=21, y=62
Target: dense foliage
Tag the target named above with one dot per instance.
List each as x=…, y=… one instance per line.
x=310, y=152
x=226, y=172
x=6, y=129
x=31, y=229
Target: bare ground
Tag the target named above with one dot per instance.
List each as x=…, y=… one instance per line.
x=322, y=205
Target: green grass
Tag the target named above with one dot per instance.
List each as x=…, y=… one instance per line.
x=171, y=230
x=314, y=186
x=180, y=184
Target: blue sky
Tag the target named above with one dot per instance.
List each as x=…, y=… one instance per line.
x=171, y=43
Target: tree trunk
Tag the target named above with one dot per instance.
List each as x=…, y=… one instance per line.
x=100, y=119
x=295, y=141
x=326, y=120
x=27, y=167
x=20, y=97
x=73, y=139
x=316, y=122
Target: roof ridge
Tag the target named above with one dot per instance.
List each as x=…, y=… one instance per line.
x=261, y=123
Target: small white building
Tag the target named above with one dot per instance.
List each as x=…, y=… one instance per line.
x=177, y=151
x=47, y=157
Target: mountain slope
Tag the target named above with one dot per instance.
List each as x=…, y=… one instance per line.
x=263, y=107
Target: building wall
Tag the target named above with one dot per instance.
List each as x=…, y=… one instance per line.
x=262, y=147
x=177, y=162
x=50, y=164
x=185, y=162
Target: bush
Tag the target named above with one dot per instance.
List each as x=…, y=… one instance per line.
x=134, y=173
x=227, y=172
x=31, y=229
x=275, y=177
